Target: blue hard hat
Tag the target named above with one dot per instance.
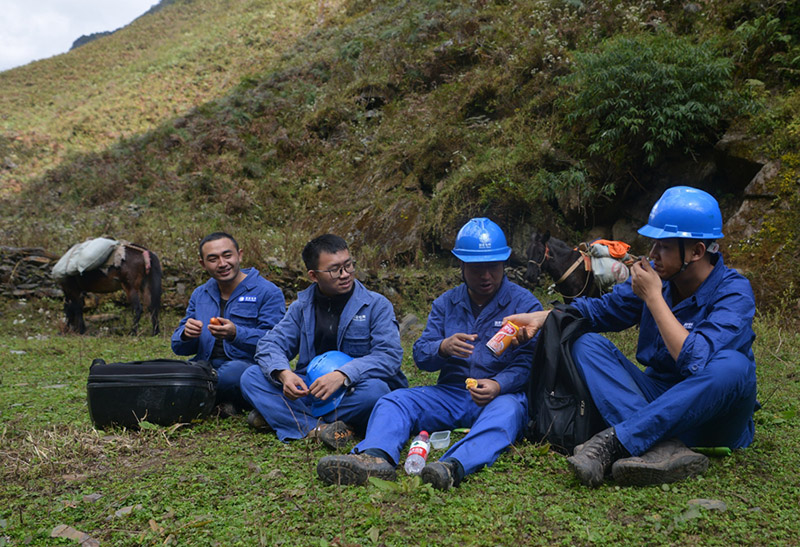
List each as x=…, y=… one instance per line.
x=684, y=212
x=481, y=240
x=320, y=366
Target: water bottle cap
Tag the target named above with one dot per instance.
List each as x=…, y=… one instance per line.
x=423, y=432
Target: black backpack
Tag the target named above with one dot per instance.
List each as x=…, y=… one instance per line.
x=561, y=409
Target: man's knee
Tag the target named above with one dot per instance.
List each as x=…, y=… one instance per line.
x=589, y=345
x=371, y=390
x=731, y=368
x=251, y=378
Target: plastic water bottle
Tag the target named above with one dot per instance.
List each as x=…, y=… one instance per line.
x=417, y=454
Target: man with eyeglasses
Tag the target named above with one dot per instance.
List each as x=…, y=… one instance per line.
x=335, y=314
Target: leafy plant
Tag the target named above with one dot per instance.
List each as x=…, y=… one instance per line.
x=640, y=97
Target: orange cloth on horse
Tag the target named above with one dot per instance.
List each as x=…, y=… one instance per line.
x=617, y=249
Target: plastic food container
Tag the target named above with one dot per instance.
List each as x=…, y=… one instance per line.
x=440, y=439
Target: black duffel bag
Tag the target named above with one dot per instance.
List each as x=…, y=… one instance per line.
x=161, y=391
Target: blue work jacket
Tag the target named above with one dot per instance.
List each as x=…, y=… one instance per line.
x=368, y=332
x=255, y=306
x=718, y=316
x=451, y=313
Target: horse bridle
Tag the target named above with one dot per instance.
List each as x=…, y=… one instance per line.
x=545, y=256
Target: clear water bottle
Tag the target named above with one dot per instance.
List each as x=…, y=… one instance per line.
x=417, y=454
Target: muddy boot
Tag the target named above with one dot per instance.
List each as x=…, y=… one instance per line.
x=441, y=475
x=257, y=422
x=354, y=469
x=335, y=435
x=596, y=456
x=667, y=461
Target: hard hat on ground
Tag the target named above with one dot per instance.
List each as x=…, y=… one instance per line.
x=320, y=366
x=686, y=213
x=481, y=240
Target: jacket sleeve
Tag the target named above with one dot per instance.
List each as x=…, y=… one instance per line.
x=385, y=351
x=513, y=377
x=192, y=345
x=281, y=343
x=614, y=311
x=426, y=348
x=270, y=313
x=728, y=325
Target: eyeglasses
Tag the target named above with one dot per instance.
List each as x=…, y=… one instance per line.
x=336, y=271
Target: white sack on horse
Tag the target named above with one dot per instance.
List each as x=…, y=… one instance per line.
x=609, y=270
x=82, y=257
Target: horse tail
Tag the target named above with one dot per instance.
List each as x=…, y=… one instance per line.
x=154, y=284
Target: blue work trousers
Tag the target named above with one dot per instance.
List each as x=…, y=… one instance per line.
x=293, y=419
x=712, y=407
x=228, y=375
x=493, y=428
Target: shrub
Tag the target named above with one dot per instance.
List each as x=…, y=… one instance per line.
x=640, y=97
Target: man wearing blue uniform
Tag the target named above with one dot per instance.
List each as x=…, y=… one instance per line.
x=695, y=335
x=335, y=314
x=461, y=321
x=227, y=316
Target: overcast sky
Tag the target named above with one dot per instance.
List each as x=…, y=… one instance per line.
x=36, y=29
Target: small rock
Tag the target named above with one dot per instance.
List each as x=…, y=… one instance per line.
x=711, y=505
x=127, y=510
x=91, y=498
x=276, y=474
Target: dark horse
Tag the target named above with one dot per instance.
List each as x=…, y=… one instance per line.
x=135, y=269
x=564, y=263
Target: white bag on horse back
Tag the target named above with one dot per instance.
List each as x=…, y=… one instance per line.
x=60, y=269
x=91, y=255
x=83, y=257
x=608, y=272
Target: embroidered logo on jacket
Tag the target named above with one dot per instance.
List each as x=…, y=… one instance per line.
x=498, y=323
x=688, y=326
x=248, y=299
x=359, y=318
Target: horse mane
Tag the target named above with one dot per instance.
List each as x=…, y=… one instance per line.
x=559, y=245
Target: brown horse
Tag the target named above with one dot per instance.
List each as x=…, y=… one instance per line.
x=564, y=263
x=134, y=269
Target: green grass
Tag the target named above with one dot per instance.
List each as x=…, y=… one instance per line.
x=219, y=483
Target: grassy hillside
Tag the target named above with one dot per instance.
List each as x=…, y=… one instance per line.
x=393, y=122
x=126, y=84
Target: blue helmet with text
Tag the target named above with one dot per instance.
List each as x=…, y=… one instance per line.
x=319, y=366
x=481, y=240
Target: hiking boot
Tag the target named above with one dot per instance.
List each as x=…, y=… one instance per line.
x=257, y=422
x=225, y=410
x=440, y=475
x=596, y=456
x=667, y=461
x=354, y=469
x=335, y=435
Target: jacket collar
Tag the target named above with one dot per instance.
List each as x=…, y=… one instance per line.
x=705, y=291
x=459, y=297
x=248, y=284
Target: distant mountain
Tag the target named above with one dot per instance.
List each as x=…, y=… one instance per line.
x=86, y=38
